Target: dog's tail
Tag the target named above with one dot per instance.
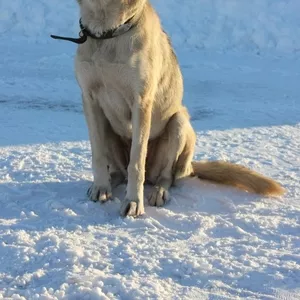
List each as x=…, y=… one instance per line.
x=237, y=176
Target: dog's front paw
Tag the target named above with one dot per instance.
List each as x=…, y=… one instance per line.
x=132, y=208
x=99, y=193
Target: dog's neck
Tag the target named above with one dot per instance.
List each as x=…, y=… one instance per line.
x=101, y=18
x=109, y=34
x=96, y=28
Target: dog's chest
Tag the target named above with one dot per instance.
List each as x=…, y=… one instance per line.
x=114, y=85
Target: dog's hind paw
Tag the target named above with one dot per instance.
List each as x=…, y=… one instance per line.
x=99, y=193
x=132, y=208
x=159, y=197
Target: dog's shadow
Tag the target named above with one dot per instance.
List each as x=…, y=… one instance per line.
x=66, y=205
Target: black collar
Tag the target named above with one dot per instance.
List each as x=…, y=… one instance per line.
x=109, y=34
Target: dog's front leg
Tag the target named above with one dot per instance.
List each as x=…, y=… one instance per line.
x=98, y=131
x=141, y=123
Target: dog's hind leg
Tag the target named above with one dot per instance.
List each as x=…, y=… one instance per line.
x=170, y=156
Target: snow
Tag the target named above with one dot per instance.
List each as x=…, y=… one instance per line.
x=209, y=242
x=226, y=25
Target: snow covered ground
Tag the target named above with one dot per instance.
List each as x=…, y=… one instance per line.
x=209, y=242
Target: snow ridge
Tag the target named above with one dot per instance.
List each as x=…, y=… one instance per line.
x=257, y=26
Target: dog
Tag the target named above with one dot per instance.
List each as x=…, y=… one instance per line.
x=132, y=90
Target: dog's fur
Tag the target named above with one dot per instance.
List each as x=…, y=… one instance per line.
x=132, y=97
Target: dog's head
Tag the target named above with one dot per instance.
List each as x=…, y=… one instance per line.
x=101, y=15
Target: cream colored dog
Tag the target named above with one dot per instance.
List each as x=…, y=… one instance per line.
x=132, y=96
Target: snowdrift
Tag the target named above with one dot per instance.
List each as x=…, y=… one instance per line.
x=257, y=26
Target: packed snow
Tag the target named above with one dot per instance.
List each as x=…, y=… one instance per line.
x=241, y=71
